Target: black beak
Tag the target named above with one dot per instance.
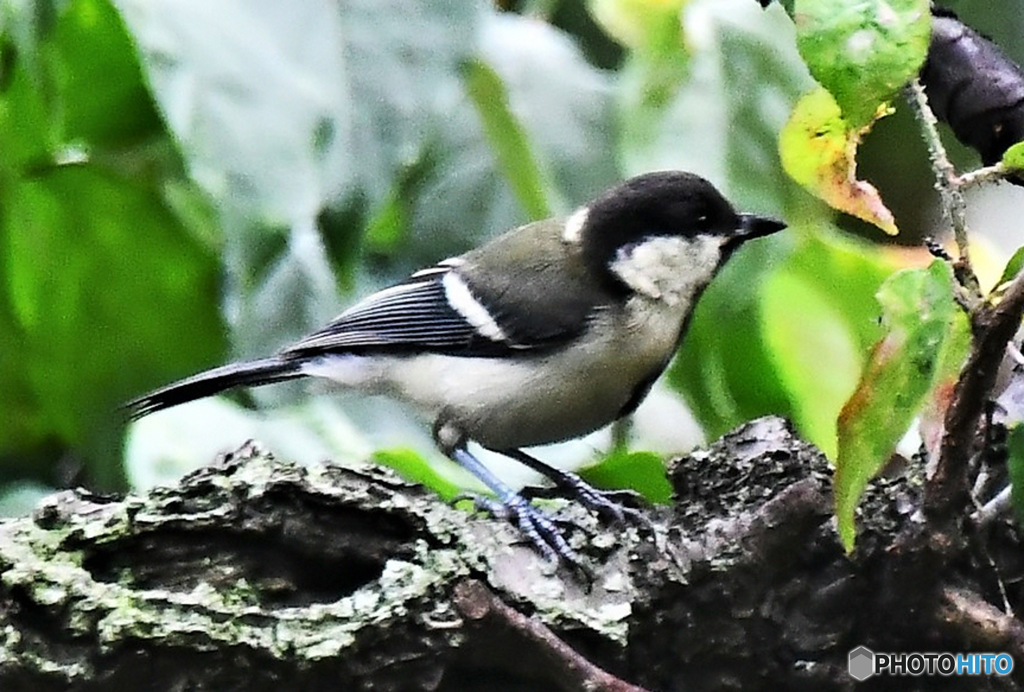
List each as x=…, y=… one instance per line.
x=753, y=226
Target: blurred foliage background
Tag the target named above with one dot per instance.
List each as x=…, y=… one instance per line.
x=184, y=182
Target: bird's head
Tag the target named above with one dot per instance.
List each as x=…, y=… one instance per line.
x=663, y=235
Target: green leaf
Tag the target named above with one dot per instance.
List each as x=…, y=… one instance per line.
x=52, y=101
x=337, y=104
x=508, y=139
x=918, y=314
x=1012, y=269
x=830, y=282
x=27, y=127
x=641, y=25
x=103, y=97
x=414, y=467
x=643, y=472
x=818, y=149
x=86, y=309
x=1013, y=158
x=102, y=282
x=817, y=357
x=862, y=52
x=1015, y=466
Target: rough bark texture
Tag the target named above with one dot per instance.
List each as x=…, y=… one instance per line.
x=256, y=574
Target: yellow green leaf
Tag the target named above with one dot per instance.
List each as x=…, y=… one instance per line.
x=639, y=24
x=643, y=472
x=919, y=320
x=1015, y=467
x=414, y=467
x=1013, y=158
x=508, y=138
x=818, y=150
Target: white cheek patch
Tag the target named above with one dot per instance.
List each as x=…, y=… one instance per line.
x=457, y=293
x=573, y=231
x=669, y=268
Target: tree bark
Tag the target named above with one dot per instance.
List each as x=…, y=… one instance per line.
x=256, y=574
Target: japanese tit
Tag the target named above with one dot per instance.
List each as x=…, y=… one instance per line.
x=543, y=334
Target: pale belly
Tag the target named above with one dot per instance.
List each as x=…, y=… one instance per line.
x=503, y=405
x=530, y=400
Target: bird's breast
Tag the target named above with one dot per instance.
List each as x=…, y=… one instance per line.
x=542, y=398
x=530, y=398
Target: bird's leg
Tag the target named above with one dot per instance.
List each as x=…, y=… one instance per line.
x=507, y=504
x=607, y=503
x=535, y=525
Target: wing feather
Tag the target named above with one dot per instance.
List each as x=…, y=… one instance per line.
x=484, y=303
x=412, y=316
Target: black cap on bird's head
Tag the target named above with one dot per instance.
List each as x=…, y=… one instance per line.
x=665, y=203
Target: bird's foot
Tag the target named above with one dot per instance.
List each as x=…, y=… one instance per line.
x=537, y=527
x=619, y=506
x=611, y=505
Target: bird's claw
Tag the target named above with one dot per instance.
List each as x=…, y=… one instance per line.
x=610, y=505
x=538, y=528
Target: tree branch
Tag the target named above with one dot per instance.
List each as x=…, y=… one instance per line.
x=977, y=621
x=948, y=184
x=480, y=606
x=252, y=571
x=946, y=494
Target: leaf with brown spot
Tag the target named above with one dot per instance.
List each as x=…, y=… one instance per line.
x=921, y=337
x=818, y=150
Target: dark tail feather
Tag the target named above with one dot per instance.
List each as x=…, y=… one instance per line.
x=214, y=381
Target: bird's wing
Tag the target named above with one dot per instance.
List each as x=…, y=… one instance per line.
x=440, y=310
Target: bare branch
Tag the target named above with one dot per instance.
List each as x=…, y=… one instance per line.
x=479, y=605
x=980, y=623
x=993, y=326
x=947, y=183
x=987, y=174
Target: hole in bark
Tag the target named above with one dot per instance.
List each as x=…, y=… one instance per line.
x=288, y=556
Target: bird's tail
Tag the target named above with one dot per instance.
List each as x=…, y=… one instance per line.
x=249, y=374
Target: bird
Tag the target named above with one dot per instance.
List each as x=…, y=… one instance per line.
x=542, y=334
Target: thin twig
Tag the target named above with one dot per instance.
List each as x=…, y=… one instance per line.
x=988, y=174
x=993, y=326
x=980, y=623
x=947, y=492
x=947, y=183
x=995, y=508
x=478, y=604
